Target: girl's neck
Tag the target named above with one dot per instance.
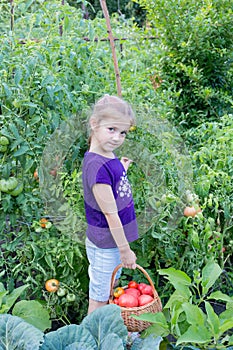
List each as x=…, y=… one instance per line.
x=96, y=150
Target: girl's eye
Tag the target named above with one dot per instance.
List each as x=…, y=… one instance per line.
x=111, y=129
x=124, y=133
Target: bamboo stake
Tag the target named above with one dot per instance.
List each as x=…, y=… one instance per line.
x=12, y=14
x=61, y=25
x=111, y=39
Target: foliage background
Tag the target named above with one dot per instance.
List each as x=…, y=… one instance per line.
x=175, y=73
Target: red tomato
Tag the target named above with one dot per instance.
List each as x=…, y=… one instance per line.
x=128, y=300
x=147, y=290
x=132, y=284
x=132, y=291
x=141, y=286
x=191, y=211
x=144, y=299
x=116, y=301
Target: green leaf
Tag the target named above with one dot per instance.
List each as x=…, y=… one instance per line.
x=218, y=295
x=104, y=320
x=226, y=325
x=194, y=315
x=68, y=335
x=2, y=288
x=22, y=150
x=159, y=323
x=157, y=318
x=196, y=335
x=18, y=76
x=225, y=315
x=78, y=346
x=110, y=339
x=16, y=334
x=230, y=342
x=178, y=298
x=49, y=261
x=11, y=298
x=3, y=293
x=150, y=342
x=48, y=80
x=212, y=319
x=7, y=90
x=210, y=274
x=34, y=313
x=177, y=278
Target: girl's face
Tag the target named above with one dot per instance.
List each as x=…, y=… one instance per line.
x=108, y=134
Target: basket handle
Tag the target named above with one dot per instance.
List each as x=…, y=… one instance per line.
x=138, y=267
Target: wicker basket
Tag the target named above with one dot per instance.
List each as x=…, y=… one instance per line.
x=131, y=323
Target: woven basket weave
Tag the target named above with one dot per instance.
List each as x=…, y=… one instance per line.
x=131, y=323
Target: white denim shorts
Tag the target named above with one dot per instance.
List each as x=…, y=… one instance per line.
x=102, y=262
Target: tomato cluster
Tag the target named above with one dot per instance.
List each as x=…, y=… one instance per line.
x=54, y=286
x=136, y=294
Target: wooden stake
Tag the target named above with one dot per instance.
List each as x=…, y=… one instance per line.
x=61, y=25
x=111, y=39
x=12, y=15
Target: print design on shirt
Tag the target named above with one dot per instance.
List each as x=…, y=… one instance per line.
x=124, y=188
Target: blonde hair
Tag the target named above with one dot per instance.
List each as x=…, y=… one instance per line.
x=112, y=107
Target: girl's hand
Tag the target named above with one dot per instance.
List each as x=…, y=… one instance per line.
x=126, y=162
x=128, y=257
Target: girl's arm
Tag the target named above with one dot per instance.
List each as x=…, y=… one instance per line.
x=106, y=201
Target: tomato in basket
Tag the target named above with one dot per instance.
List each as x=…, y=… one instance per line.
x=133, y=291
x=132, y=284
x=118, y=292
x=127, y=300
x=147, y=290
x=144, y=299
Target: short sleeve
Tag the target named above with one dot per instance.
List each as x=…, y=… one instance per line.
x=98, y=172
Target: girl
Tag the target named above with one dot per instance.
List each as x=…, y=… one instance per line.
x=110, y=214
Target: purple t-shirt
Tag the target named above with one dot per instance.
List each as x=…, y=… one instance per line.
x=99, y=169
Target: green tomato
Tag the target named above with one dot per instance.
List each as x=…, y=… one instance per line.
x=4, y=141
x=61, y=292
x=12, y=183
x=3, y=148
x=17, y=190
x=70, y=297
x=4, y=185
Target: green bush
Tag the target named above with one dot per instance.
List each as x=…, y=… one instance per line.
x=195, y=40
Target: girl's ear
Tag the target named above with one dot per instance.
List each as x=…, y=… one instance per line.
x=93, y=123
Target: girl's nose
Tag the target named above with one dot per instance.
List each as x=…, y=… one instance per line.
x=116, y=136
